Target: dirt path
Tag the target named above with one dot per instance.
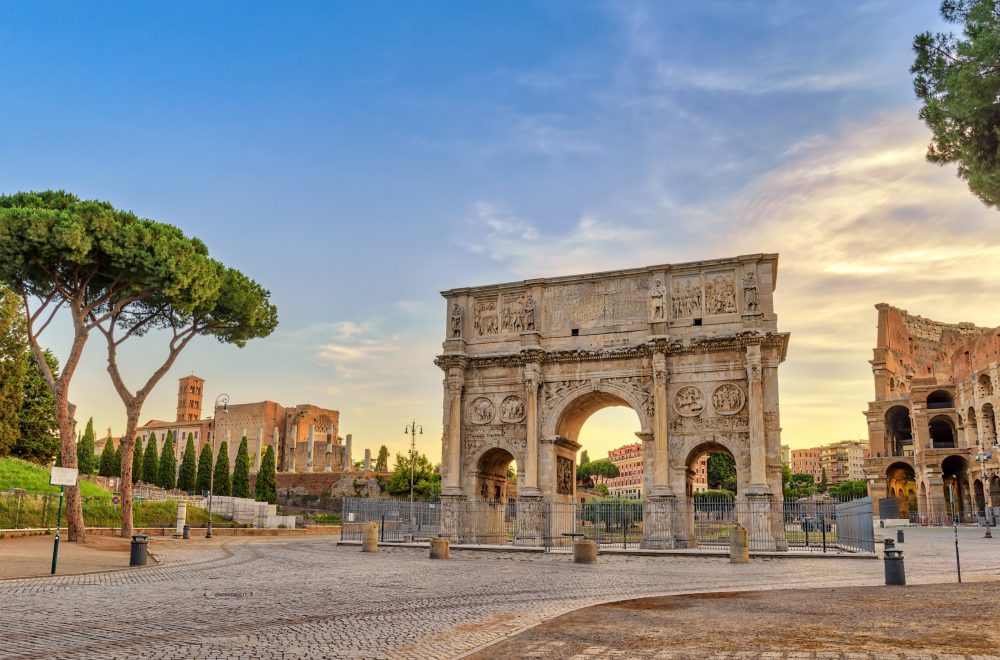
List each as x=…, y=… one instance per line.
x=31, y=556
x=876, y=621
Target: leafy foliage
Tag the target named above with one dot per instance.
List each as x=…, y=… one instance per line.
x=958, y=82
x=849, y=490
x=39, y=438
x=721, y=472
x=799, y=484
x=137, y=460
x=714, y=495
x=166, y=476
x=265, y=489
x=426, y=478
x=85, y=459
x=150, y=462
x=187, y=478
x=241, y=471
x=382, y=462
x=107, y=468
x=602, y=490
x=223, y=484
x=13, y=368
x=585, y=472
x=203, y=482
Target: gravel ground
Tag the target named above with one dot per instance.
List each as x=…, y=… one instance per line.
x=944, y=620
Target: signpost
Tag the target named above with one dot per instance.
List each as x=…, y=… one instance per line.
x=61, y=477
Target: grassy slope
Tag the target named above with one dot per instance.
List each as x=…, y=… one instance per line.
x=17, y=473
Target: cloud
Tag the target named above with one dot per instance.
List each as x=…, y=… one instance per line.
x=857, y=216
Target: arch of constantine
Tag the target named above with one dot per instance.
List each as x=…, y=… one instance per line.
x=693, y=349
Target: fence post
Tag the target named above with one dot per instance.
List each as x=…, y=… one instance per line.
x=822, y=527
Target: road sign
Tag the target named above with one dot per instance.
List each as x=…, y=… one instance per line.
x=63, y=476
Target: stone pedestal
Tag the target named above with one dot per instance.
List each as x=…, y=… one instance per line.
x=758, y=520
x=658, y=523
x=181, y=519
x=531, y=520
x=440, y=548
x=739, y=545
x=685, y=537
x=585, y=552
x=451, y=508
x=369, y=537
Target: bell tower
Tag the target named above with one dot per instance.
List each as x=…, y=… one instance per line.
x=189, y=394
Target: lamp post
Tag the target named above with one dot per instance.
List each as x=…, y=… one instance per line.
x=224, y=399
x=982, y=458
x=412, y=430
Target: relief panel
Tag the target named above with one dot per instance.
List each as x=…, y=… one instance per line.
x=686, y=298
x=720, y=293
x=595, y=304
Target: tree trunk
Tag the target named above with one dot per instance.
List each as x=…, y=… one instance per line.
x=67, y=437
x=128, y=449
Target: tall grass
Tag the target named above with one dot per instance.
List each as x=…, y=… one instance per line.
x=18, y=473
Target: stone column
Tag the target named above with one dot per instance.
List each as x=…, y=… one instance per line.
x=755, y=408
x=260, y=448
x=309, y=448
x=328, y=453
x=453, y=388
x=291, y=447
x=348, y=463
x=661, y=446
x=532, y=378
x=368, y=460
x=275, y=443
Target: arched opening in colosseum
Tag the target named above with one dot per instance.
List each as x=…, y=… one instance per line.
x=899, y=431
x=942, y=433
x=979, y=493
x=971, y=428
x=939, y=399
x=955, y=489
x=989, y=425
x=985, y=385
x=495, y=476
x=901, y=484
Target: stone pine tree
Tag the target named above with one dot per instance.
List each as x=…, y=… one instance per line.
x=241, y=471
x=204, y=480
x=189, y=467
x=222, y=479
x=85, y=460
x=136, y=473
x=166, y=474
x=382, y=462
x=958, y=82
x=265, y=488
x=126, y=276
x=107, y=468
x=150, y=462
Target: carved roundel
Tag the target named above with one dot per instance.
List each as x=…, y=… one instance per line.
x=728, y=399
x=481, y=411
x=512, y=410
x=689, y=401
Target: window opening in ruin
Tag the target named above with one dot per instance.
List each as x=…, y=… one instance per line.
x=939, y=399
x=942, y=433
x=898, y=431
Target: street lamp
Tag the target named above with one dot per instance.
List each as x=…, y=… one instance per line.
x=224, y=399
x=982, y=458
x=412, y=430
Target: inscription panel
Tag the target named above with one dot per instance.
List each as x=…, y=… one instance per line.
x=596, y=304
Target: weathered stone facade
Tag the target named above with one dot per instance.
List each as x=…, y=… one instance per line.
x=305, y=437
x=692, y=348
x=932, y=416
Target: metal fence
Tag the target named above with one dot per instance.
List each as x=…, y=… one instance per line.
x=32, y=511
x=812, y=526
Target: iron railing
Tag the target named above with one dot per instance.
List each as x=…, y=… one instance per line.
x=806, y=525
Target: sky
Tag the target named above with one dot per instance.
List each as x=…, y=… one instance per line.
x=357, y=158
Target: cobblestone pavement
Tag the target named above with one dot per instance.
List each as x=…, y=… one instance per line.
x=308, y=598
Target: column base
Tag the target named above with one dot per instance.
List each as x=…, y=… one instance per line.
x=658, y=523
x=532, y=521
x=451, y=491
x=760, y=519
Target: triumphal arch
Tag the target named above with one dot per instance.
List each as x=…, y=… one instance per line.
x=692, y=348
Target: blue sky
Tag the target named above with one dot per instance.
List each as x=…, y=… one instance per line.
x=357, y=158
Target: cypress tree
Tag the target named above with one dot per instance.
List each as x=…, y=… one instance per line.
x=241, y=471
x=85, y=460
x=189, y=467
x=150, y=462
x=264, y=488
x=223, y=480
x=203, y=481
x=116, y=462
x=167, y=472
x=137, y=460
x=107, y=459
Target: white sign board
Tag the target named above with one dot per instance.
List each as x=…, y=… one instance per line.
x=63, y=476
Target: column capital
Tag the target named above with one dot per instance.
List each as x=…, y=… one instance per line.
x=644, y=436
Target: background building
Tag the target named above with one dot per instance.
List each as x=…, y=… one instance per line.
x=628, y=483
x=806, y=461
x=305, y=437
